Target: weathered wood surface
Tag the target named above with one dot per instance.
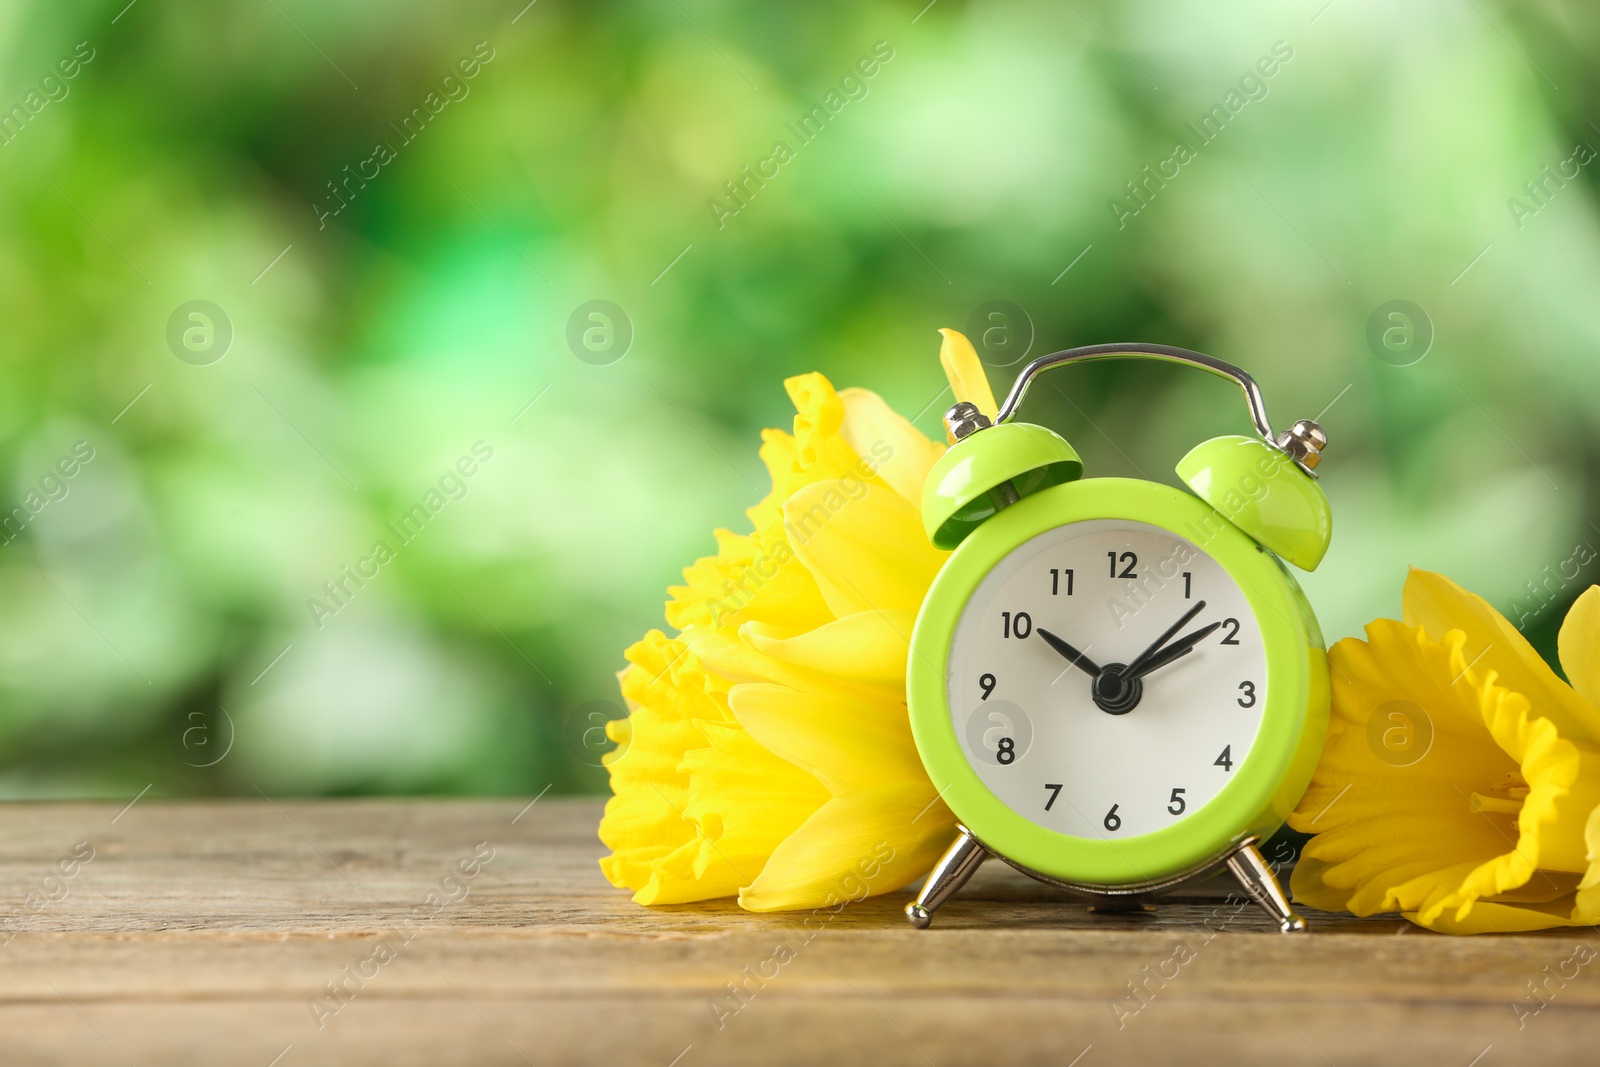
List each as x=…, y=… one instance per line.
x=204, y=933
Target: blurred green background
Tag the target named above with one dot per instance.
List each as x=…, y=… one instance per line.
x=158, y=625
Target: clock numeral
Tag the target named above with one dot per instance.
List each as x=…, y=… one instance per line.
x=1006, y=752
x=1055, y=791
x=1055, y=581
x=1225, y=761
x=1232, y=636
x=1113, y=821
x=1129, y=561
x=1177, y=804
x=1249, y=698
x=987, y=684
x=1188, y=585
x=1020, y=625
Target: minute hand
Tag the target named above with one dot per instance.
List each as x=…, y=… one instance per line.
x=1136, y=665
x=1179, y=648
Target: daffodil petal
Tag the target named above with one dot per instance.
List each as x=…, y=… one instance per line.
x=1487, y=917
x=864, y=545
x=744, y=798
x=821, y=452
x=1309, y=886
x=1586, y=902
x=1579, y=645
x=685, y=875
x=1439, y=605
x=1400, y=677
x=1545, y=887
x=869, y=646
x=867, y=742
x=887, y=442
x=965, y=371
x=733, y=660
x=861, y=844
x=666, y=693
x=752, y=578
x=780, y=454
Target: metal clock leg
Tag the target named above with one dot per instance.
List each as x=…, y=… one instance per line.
x=960, y=860
x=1261, y=886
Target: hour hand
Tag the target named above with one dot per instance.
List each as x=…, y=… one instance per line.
x=1070, y=654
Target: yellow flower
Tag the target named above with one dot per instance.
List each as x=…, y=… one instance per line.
x=1460, y=783
x=767, y=750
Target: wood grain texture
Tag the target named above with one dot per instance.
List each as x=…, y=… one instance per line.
x=206, y=933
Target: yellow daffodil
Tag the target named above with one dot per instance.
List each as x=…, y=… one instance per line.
x=1460, y=783
x=767, y=751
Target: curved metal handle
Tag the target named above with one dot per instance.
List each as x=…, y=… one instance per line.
x=1159, y=353
x=1303, y=443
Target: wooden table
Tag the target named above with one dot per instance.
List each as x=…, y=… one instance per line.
x=480, y=932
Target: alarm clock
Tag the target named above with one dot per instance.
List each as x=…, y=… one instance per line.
x=1118, y=686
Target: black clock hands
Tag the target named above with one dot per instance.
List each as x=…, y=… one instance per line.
x=1135, y=667
x=1177, y=650
x=1111, y=691
x=1116, y=688
x=1070, y=654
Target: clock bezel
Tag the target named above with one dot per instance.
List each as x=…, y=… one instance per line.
x=1266, y=785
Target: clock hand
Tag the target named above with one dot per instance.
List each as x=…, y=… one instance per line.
x=1178, y=649
x=1072, y=655
x=1138, y=662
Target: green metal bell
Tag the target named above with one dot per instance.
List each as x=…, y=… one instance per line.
x=1013, y=459
x=1263, y=492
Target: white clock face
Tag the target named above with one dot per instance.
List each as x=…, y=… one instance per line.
x=1053, y=706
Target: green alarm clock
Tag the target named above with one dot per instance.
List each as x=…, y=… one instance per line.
x=1118, y=686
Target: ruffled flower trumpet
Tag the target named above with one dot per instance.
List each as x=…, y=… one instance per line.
x=1460, y=783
